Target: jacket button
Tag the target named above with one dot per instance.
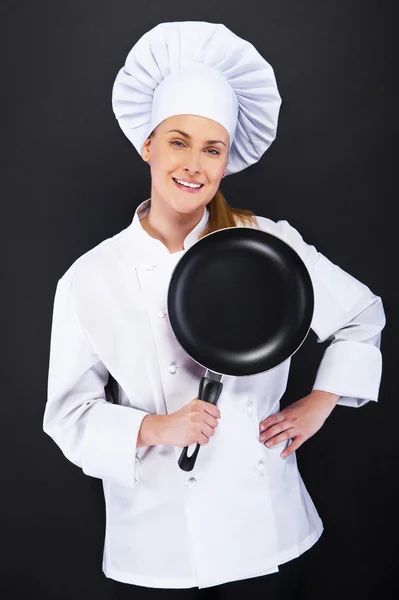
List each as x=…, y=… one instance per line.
x=150, y=267
x=191, y=481
x=249, y=407
x=172, y=368
x=161, y=314
x=259, y=466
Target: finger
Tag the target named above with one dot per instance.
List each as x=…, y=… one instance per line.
x=295, y=444
x=207, y=430
x=211, y=409
x=274, y=430
x=282, y=437
x=272, y=420
x=211, y=421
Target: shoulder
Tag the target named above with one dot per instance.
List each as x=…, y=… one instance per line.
x=98, y=260
x=289, y=234
x=281, y=228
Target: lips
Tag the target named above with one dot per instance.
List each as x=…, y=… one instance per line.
x=189, y=181
x=186, y=188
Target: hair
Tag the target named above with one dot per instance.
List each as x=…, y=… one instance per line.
x=222, y=215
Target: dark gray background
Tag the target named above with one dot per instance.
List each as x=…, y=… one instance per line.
x=71, y=179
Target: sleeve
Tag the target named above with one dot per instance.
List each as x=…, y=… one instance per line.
x=93, y=433
x=351, y=317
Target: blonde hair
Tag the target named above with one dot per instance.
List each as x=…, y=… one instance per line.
x=222, y=215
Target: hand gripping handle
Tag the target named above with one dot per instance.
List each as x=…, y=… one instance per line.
x=209, y=391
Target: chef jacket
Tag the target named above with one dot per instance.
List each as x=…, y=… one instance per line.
x=242, y=510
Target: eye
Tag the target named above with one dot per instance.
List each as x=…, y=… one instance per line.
x=179, y=144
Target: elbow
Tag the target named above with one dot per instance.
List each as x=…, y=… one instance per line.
x=65, y=425
x=381, y=313
x=48, y=423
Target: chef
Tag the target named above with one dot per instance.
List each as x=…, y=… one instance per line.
x=198, y=103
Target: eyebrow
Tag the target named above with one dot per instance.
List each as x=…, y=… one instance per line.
x=187, y=136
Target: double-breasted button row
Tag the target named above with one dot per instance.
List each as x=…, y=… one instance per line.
x=172, y=366
x=161, y=315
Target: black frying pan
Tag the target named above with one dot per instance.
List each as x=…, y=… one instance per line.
x=240, y=302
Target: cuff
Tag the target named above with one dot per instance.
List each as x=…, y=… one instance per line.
x=109, y=444
x=352, y=370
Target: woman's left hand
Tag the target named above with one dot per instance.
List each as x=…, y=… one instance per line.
x=298, y=421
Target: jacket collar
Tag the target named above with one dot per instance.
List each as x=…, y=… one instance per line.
x=147, y=248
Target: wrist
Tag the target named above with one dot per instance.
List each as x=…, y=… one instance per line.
x=327, y=398
x=150, y=432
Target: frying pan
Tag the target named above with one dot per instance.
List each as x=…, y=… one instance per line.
x=240, y=302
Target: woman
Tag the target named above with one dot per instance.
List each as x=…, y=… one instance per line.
x=122, y=393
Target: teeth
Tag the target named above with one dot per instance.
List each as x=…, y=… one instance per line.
x=192, y=185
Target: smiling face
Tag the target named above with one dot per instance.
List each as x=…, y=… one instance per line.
x=186, y=149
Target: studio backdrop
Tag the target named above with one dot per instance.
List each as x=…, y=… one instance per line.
x=71, y=179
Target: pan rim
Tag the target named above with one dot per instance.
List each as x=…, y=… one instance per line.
x=304, y=337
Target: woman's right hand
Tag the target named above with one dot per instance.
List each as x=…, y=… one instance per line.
x=194, y=422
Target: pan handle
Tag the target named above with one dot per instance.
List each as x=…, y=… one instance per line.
x=209, y=391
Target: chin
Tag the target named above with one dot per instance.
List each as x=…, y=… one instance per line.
x=187, y=205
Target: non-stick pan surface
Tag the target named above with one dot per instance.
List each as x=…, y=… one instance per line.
x=240, y=301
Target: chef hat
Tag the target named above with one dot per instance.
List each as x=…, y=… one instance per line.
x=203, y=69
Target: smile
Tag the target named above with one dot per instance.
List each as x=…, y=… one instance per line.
x=187, y=187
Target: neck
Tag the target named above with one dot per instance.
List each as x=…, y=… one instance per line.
x=169, y=226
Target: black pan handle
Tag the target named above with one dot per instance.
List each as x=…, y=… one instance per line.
x=209, y=391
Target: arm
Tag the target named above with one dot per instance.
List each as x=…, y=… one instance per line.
x=94, y=434
x=351, y=317
x=352, y=364
x=150, y=432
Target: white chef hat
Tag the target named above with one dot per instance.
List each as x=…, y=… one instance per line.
x=193, y=67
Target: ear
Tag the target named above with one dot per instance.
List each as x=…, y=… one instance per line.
x=145, y=151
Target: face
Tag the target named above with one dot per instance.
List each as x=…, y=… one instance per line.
x=191, y=149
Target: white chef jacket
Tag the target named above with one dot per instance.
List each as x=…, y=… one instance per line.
x=242, y=510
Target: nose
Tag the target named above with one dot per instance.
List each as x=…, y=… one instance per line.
x=193, y=163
